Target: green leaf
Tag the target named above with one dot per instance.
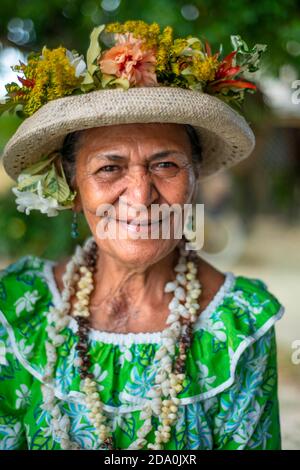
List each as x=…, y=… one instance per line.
x=39, y=166
x=9, y=105
x=197, y=86
x=20, y=113
x=56, y=186
x=122, y=82
x=106, y=79
x=88, y=83
x=50, y=186
x=53, y=185
x=195, y=44
x=247, y=59
x=187, y=71
x=239, y=44
x=63, y=190
x=29, y=183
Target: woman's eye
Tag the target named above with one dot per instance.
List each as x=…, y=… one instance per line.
x=165, y=169
x=167, y=164
x=108, y=168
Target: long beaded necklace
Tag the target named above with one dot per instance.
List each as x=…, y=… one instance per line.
x=163, y=401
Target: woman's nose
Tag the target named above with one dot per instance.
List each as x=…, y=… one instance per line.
x=140, y=189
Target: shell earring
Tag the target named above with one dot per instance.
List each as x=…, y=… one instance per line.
x=74, y=226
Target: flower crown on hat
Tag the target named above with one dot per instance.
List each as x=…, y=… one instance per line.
x=132, y=54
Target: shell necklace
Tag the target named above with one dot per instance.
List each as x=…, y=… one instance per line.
x=163, y=401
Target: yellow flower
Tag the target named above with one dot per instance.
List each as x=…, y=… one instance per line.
x=47, y=77
x=204, y=70
x=178, y=47
x=165, y=44
x=54, y=78
x=148, y=32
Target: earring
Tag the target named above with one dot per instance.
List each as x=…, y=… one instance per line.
x=188, y=228
x=74, y=226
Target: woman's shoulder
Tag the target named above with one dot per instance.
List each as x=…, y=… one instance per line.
x=24, y=263
x=252, y=300
x=243, y=308
x=236, y=294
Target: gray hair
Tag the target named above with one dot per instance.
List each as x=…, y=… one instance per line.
x=72, y=140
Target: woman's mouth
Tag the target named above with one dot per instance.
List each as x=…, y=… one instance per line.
x=138, y=226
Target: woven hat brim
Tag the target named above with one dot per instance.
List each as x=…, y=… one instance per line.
x=225, y=135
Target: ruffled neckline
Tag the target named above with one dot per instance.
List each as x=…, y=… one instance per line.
x=154, y=337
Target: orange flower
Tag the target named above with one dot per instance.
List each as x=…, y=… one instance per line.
x=127, y=59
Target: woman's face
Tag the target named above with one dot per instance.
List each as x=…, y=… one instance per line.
x=129, y=167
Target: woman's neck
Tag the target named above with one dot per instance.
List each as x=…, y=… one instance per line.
x=131, y=299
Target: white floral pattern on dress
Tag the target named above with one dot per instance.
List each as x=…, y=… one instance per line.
x=26, y=302
x=23, y=395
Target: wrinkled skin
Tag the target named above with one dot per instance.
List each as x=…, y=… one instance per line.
x=131, y=273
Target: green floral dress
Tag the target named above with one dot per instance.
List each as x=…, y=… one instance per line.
x=229, y=400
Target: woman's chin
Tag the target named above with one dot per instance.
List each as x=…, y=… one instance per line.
x=138, y=251
x=142, y=244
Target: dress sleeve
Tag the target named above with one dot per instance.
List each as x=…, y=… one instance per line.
x=14, y=394
x=17, y=308
x=247, y=415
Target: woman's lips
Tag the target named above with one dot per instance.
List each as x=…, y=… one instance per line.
x=133, y=222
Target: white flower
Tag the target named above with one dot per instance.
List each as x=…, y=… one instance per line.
x=77, y=62
x=27, y=201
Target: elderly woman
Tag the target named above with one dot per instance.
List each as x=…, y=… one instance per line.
x=134, y=342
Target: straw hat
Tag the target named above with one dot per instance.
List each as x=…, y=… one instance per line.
x=225, y=135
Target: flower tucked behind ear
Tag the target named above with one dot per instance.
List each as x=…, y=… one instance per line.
x=41, y=187
x=28, y=200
